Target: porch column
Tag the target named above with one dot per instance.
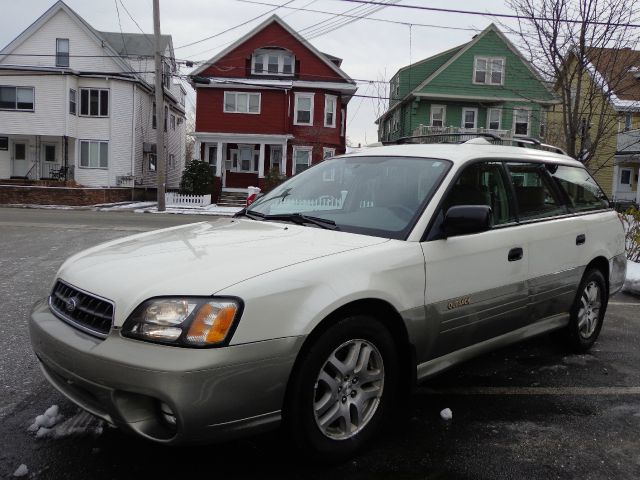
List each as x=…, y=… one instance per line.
x=615, y=181
x=219, y=160
x=261, y=162
x=284, y=159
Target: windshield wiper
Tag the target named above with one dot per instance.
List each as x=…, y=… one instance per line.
x=249, y=214
x=301, y=219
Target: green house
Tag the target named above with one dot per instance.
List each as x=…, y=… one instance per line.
x=485, y=85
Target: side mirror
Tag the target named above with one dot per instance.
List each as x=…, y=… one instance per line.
x=466, y=219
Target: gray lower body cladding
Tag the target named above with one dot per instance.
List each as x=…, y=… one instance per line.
x=213, y=393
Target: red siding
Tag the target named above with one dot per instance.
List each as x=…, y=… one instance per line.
x=236, y=63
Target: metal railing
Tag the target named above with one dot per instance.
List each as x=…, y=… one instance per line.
x=430, y=130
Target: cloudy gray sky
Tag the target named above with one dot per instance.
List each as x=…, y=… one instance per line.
x=371, y=50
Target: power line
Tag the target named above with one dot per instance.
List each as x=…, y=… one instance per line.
x=499, y=15
x=124, y=44
x=146, y=35
x=235, y=26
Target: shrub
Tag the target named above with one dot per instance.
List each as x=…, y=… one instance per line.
x=272, y=179
x=631, y=222
x=197, y=179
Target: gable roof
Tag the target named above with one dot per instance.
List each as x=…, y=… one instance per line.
x=273, y=19
x=136, y=44
x=432, y=63
x=619, y=70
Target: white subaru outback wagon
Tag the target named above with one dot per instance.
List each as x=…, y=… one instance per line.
x=332, y=294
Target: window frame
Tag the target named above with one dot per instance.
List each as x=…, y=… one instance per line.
x=499, y=110
x=444, y=115
x=90, y=141
x=298, y=96
x=172, y=121
x=326, y=150
x=330, y=100
x=16, y=109
x=301, y=148
x=99, y=90
x=281, y=54
x=73, y=101
x=475, y=117
x=488, y=71
x=235, y=102
x=60, y=55
x=513, y=121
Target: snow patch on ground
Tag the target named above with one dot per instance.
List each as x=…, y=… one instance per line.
x=209, y=210
x=632, y=283
x=108, y=207
x=446, y=414
x=51, y=424
x=21, y=471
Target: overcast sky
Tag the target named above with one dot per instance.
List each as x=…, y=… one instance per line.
x=371, y=50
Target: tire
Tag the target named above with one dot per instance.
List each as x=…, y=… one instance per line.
x=336, y=402
x=587, y=311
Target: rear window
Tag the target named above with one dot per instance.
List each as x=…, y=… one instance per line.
x=582, y=190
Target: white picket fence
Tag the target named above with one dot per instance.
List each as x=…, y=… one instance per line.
x=178, y=200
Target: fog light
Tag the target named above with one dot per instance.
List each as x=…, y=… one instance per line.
x=167, y=414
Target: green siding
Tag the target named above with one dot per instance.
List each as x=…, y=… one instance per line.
x=519, y=81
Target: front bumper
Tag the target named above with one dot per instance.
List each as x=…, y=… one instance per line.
x=214, y=393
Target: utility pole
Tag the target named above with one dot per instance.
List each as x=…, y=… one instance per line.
x=160, y=120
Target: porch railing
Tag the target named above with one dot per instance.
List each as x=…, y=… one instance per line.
x=429, y=130
x=177, y=200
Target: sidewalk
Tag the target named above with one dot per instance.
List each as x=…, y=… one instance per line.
x=151, y=207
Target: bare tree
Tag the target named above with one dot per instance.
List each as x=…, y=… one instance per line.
x=583, y=48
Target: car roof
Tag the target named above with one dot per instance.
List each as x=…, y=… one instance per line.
x=466, y=152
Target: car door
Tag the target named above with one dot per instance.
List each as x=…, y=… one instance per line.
x=476, y=285
x=556, y=239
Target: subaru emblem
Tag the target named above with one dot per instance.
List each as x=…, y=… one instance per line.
x=71, y=305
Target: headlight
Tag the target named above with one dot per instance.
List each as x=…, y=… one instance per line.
x=188, y=322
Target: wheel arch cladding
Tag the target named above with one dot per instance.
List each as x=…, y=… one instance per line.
x=602, y=264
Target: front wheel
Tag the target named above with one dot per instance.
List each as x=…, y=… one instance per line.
x=342, y=388
x=587, y=312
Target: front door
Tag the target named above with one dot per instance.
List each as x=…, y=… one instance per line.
x=624, y=180
x=476, y=285
x=20, y=164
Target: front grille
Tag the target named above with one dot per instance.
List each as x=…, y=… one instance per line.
x=82, y=310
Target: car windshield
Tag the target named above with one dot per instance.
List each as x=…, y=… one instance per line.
x=376, y=195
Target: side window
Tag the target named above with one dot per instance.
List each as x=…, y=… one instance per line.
x=482, y=184
x=583, y=191
x=534, y=191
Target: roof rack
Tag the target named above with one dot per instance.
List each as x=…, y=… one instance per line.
x=492, y=138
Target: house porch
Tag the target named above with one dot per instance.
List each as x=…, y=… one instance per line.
x=37, y=157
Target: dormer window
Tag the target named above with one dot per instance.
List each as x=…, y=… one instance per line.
x=272, y=62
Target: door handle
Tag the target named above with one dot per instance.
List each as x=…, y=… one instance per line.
x=580, y=239
x=515, y=254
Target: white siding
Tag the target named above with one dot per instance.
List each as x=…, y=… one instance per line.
x=43, y=41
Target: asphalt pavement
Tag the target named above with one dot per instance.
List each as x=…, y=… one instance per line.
x=531, y=410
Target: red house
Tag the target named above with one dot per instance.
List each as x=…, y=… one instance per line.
x=271, y=100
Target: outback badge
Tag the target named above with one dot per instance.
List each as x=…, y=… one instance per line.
x=459, y=302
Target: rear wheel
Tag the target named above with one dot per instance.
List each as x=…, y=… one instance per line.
x=587, y=312
x=343, y=388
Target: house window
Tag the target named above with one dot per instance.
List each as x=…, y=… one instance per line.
x=166, y=117
x=16, y=98
x=437, y=115
x=72, y=101
x=62, y=52
x=179, y=120
x=153, y=162
x=94, y=102
x=469, y=117
x=304, y=109
x=166, y=75
x=330, y=111
x=239, y=102
x=49, y=153
x=154, y=118
x=246, y=154
x=395, y=120
x=628, y=121
x=301, y=158
x=521, y=121
x=172, y=161
x=94, y=154
x=488, y=70
x=275, y=157
x=328, y=153
x=272, y=62
x=494, y=118
x=625, y=176
x=4, y=143
x=173, y=122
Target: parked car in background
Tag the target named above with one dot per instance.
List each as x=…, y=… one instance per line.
x=322, y=303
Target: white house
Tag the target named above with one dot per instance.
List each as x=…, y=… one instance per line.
x=78, y=103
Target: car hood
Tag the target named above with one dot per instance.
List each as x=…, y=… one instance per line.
x=198, y=259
